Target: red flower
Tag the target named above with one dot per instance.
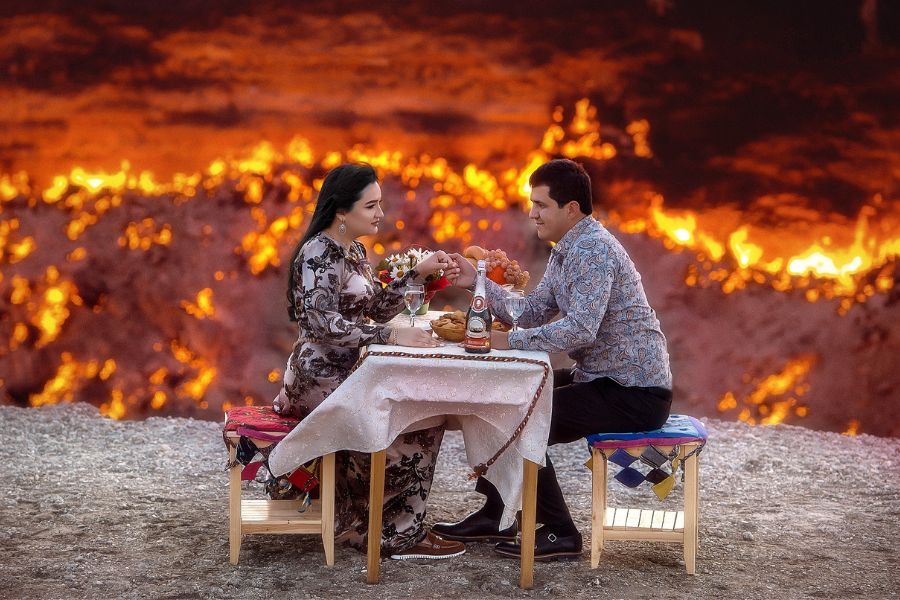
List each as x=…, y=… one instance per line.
x=384, y=277
x=434, y=286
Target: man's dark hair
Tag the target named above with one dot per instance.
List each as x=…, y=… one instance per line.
x=567, y=180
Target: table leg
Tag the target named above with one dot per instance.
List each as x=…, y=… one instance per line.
x=326, y=496
x=376, y=504
x=529, y=506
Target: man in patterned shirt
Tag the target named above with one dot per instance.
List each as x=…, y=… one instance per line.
x=621, y=380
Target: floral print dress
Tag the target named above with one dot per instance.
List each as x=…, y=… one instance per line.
x=335, y=295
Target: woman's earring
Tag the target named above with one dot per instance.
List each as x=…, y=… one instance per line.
x=342, y=228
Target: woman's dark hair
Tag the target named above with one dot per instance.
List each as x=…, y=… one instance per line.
x=341, y=189
x=567, y=181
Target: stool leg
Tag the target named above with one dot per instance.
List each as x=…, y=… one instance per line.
x=376, y=504
x=598, y=504
x=234, y=508
x=529, y=514
x=326, y=494
x=690, y=511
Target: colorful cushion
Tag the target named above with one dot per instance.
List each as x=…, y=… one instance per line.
x=259, y=422
x=251, y=423
x=679, y=429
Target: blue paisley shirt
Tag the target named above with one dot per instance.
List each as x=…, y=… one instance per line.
x=607, y=326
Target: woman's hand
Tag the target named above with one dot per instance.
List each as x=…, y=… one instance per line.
x=439, y=261
x=416, y=337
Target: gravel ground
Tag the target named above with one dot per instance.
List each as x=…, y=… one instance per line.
x=93, y=508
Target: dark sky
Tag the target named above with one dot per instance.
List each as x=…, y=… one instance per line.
x=745, y=99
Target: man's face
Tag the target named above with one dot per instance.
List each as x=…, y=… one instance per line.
x=551, y=220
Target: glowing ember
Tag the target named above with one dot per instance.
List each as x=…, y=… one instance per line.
x=194, y=388
x=852, y=427
x=775, y=397
x=69, y=378
x=203, y=308
x=141, y=236
x=13, y=250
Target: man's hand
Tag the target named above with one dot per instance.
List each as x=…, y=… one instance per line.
x=500, y=340
x=466, y=277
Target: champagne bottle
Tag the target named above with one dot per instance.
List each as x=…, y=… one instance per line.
x=478, y=319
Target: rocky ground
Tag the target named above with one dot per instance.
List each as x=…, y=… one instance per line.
x=94, y=508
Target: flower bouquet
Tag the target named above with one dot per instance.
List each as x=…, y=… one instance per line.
x=396, y=266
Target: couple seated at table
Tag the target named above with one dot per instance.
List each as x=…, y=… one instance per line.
x=620, y=382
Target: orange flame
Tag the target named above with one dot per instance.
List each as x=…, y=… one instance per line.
x=775, y=396
x=730, y=252
x=852, y=427
x=141, y=236
x=69, y=378
x=203, y=308
x=194, y=388
x=823, y=269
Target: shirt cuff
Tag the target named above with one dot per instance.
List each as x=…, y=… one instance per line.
x=517, y=340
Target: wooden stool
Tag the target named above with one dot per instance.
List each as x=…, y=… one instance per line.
x=681, y=438
x=246, y=516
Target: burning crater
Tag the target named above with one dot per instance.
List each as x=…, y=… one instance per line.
x=149, y=288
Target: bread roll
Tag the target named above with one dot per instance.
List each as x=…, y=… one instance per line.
x=476, y=252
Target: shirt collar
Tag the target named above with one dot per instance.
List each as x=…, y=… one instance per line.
x=571, y=236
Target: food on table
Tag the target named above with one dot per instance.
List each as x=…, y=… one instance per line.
x=452, y=326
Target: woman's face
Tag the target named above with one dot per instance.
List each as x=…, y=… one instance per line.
x=365, y=215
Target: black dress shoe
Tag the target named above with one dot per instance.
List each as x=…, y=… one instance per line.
x=475, y=528
x=547, y=546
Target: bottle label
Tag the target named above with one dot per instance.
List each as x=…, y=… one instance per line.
x=477, y=334
x=476, y=327
x=478, y=303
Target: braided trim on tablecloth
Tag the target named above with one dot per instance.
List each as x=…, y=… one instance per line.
x=481, y=469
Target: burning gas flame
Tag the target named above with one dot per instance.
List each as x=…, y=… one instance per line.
x=46, y=306
x=69, y=378
x=203, y=308
x=849, y=262
x=852, y=427
x=733, y=259
x=194, y=388
x=775, y=397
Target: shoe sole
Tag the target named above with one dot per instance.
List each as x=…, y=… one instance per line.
x=425, y=556
x=543, y=557
x=476, y=539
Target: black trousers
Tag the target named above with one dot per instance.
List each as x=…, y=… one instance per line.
x=580, y=409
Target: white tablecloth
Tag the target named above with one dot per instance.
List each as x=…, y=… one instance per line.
x=388, y=395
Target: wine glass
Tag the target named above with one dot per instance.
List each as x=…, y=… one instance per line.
x=514, y=303
x=413, y=296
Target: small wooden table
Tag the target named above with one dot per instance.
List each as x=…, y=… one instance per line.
x=397, y=389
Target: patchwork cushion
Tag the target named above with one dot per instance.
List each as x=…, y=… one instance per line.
x=679, y=429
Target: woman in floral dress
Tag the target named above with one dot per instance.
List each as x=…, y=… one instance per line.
x=332, y=295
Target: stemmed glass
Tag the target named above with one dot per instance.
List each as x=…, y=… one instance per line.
x=514, y=303
x=413, y=296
